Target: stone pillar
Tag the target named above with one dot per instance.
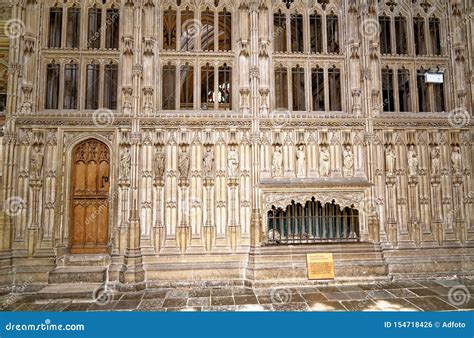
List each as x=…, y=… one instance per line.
x=437, y=221
x=414, y=226
x=209, y=229
x=392, y=223
x=459, y=223
x=183, y=232
x=158, y=230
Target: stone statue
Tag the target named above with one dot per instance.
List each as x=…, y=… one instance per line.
x=435, y=158
x=348, y=159
x=208, y=163
x=412, y=161
x=184, y=164
x=300, y=161
x=324, y=159
x=36, y=165
x=456, y=160
x=232, y=162
x=277, y=162
x=125, y=161
x=159, y=164
x=390, y=159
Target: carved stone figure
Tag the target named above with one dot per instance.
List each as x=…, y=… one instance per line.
x=232, y=162
x=184, y=163
x=208, y=163
x=300, y=161
x=390, y=159
x=277, y=162
x=125, y=161
x=435, y=160
x=159, y=164
x=348, y=159
x=324, y=164
x=412, y=161
x=36, y=165
x=456, y=160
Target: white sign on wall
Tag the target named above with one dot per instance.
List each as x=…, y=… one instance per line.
x=434, y=77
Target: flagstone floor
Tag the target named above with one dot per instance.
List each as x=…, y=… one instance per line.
x=420, y=295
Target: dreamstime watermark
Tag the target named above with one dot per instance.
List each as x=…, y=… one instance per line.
x=192, y=28
x=279, y=119
x=46, y=326
x=14, y=28
x=13, y=206
x=459, y=118
x=103, y=117
x=369, y=28
x=459, y=295
x=103, y=295
x=281, y=295
x=16, y=291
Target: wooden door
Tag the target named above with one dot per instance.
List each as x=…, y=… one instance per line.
x=90, y=197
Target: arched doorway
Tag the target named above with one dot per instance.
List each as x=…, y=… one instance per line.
x=90, y=197
x=312, y=222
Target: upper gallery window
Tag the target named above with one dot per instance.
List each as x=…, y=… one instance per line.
x=52, y=86
x=297, y=44
x=315, y=29
x=188, y=30
x=385, y=35
x=71, y=76
x=169, y=29
x=73, y=27
x=112, y=30
x=110, y=86
x=419, y=31
x=92, y=86
x=207, y=30
x=279, y=27
x=55, y=27
x=298, y=89
x=332, y=28
x=93, y=28
x=225, y=30
x=435, y=40
x=401, y=35
x=169, y=87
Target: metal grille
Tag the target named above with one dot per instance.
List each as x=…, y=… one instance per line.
x=312, y=223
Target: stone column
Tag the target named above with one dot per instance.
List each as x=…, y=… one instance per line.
x=459, y=223
x=414, y=226
x=183, y=232
x=233, y=228
x=158, y=230
x=209, y=230
x=437, y=221
x=392, y=223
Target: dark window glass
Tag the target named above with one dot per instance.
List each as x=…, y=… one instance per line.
x=169, y=30
x=404, y=90
x=73, y=27
x=70, y=86
x=112, y=34
x=332, y=33
x=401, y=35
x=169, y=87
x=317, y=83
x=52, y=86
x=438, y=92
x=435, y=36
x=297, y=33
x=387, y=90
x=316, y=38
x=188, y=30
x=334, y=75
x=187, y=87
x=92, y=86
x=281, y=88
x=207, y=30
x=298, y=89
x=110, y=86
x=55, y=27
x=93, y=35
x=225, y=30
x=279, y=32
x=422, y=87
x=207, y=87
x=419, y=30
x=385, y=35
x=224, y=94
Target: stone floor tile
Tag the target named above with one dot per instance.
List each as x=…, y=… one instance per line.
x=326, y=306
x=268, y=300
x=175, y=302
x=308, y=289
x=226, y=308
x=358, y=305
x=132, y=296
x=155, y=294
x=461, y=303
x=127, y=305
x=357, y=295
x=393, y=304
x=291, y=307
x=78, y=307
x=314, y=297
x=242, y=300
x=380, y=294
x=423, y=292
x=430, y=304
x=254, y=307
x=371, y=287
x=221, y=292
x=151, y=304
x=328, y=289
x=174, y=294
x=402, y=293
x=103, y=307
x=30, y=307
x=243, y=292
x=200, y=293
x=56, y=306
x=427, y=283
x=349, y=288
x=199, y=301
x=222, y=301
x=336, y=296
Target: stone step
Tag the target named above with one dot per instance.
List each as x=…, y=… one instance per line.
x=77, y=274
x=85, y=260
x=73, y=291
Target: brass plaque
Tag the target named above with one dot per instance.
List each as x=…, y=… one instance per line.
x=320, y=266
